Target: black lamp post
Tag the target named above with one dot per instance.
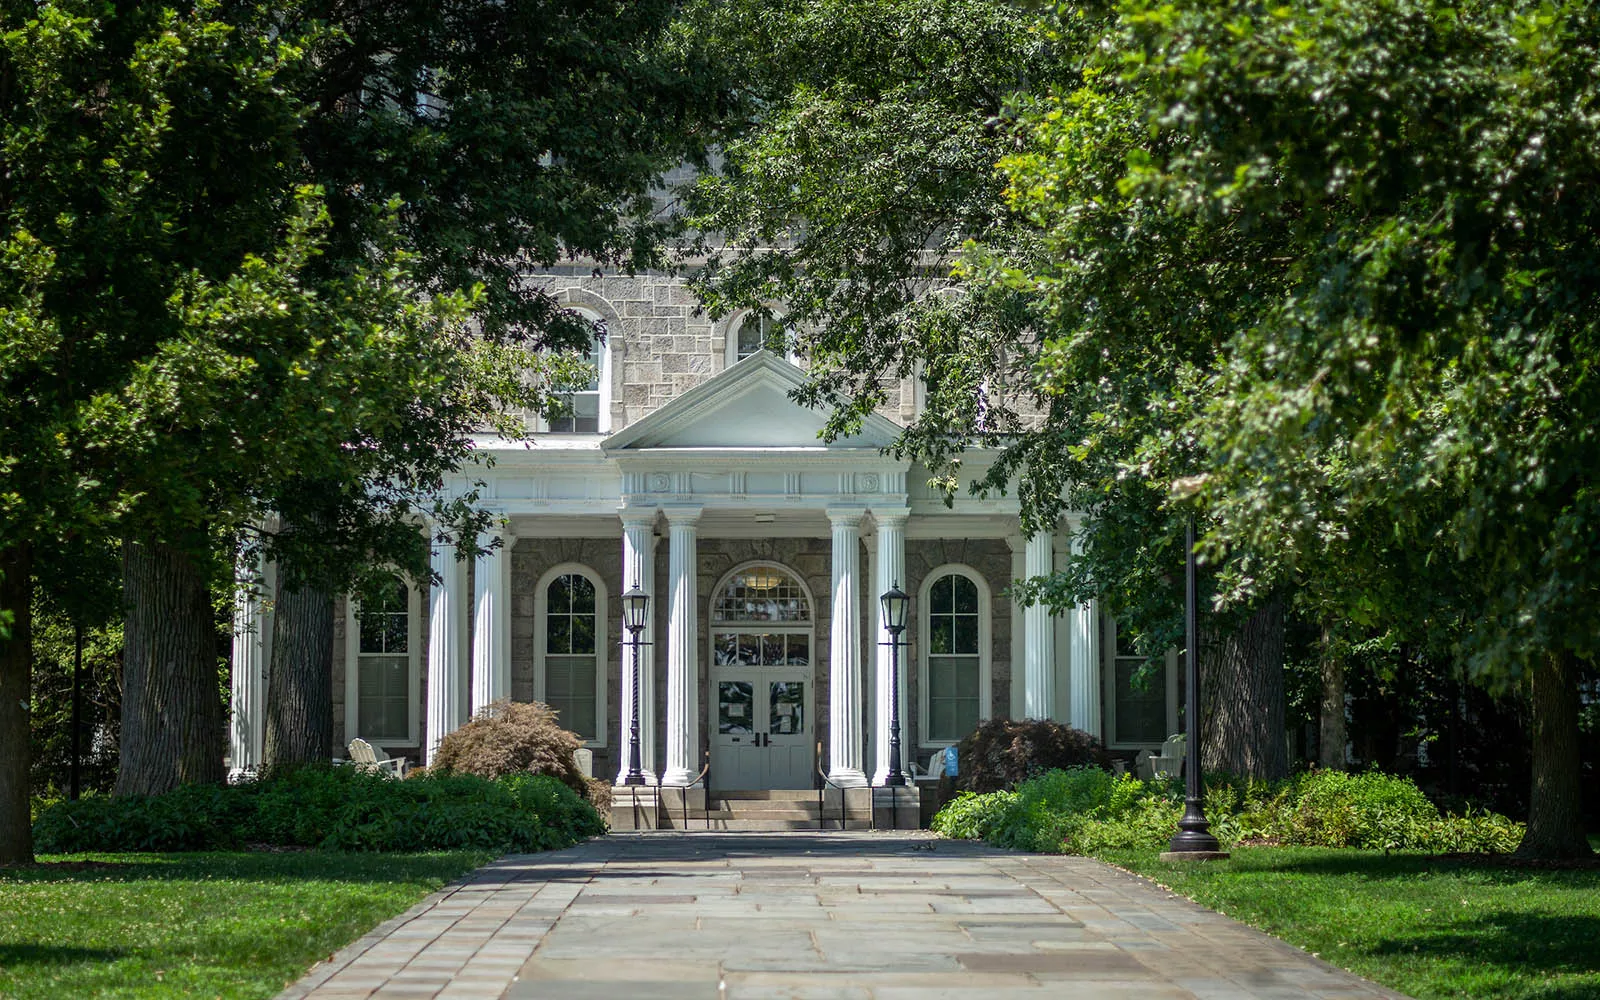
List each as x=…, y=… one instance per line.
x=635, y=612
x=1193, y=841
x=895, y=603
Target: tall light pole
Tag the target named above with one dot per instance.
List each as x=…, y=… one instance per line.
x=895, y=603
x=635, y=612
x=1193, y=841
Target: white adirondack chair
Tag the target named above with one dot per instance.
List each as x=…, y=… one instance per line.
x=362, y=756
x=1169, y=762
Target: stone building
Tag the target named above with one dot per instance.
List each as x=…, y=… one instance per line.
x=687, y=471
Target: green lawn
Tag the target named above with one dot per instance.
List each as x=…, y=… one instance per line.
x=1424, y=927
x=229, y=925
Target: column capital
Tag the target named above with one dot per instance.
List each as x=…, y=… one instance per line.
x=892, y=516
x=633, y=517
x=682, y=514
x=845, y=515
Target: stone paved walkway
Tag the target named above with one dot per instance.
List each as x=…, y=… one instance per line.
x=813, y=916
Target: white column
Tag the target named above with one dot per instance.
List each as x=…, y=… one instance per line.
x=444, y=647
x=844, y=652
x=891, y=572
x=251, y=631
x=639, y=570
x=1039, y=657
x=1085, y=671
x=683, y=647
x=1017, y=544
x=491, y=623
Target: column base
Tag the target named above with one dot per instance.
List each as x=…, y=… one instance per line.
x=848, y=777
x=649, y=779
x=681, y=778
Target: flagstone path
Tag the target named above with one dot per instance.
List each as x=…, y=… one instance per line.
x=813, y=916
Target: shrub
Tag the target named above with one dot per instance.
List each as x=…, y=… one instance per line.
x=1001, y=753
x=970, y=816
x=336, y=808
x=1085, y=810
x=1373, y=810
x=513, y=737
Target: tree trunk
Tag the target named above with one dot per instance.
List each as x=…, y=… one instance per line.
x=1331, y=736
x=1555, y=808
x=1242, y=687
x=300, y=677
x=16, y=685
x=172, y=714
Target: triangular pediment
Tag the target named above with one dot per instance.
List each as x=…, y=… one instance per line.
x=747, y=405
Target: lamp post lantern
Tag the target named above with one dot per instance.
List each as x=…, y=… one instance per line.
x=635, y=612
x=895, y=604
x=1193, y=841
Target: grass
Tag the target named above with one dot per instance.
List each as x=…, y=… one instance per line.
x=1425, y=927
x=232, y=925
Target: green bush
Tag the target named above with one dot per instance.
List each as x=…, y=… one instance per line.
x=1085, y=810
x=970, y=816
x=335, y=808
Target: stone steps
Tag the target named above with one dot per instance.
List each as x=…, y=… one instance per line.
x=760, y=810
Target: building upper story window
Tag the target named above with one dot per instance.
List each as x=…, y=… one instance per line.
x=382, y=667
x=588, y=411
x=571, y=609
x=954, y=669
x=755, y=331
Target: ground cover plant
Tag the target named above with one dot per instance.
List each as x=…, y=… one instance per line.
x=1425, y=926
x=334, y=808
x=1086, y=810
x=236, y=925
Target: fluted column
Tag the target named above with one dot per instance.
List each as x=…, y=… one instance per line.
x=891, y=571
x=1085, y=667
x=639, y=570
x=445, y=699
x=1039, y=657
x=491, y=623
x=844, y=652
x=251, y=632
x=683, y=647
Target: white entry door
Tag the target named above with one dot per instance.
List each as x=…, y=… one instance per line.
x=762, y=691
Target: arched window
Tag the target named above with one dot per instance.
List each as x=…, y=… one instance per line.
x=383, y=684
x=755, y=331
x=588, y=411
x=954, y=688
x=570, y=608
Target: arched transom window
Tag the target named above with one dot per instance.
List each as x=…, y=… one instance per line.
x=762, y=594
x=755, y=331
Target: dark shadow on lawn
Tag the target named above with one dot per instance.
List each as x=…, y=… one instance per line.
x=243, y=866
x=1512, y=939
x=1373, y=865
x=14, y=956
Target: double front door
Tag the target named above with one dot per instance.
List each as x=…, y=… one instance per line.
x=762, y=698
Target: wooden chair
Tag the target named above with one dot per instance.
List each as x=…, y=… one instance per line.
x=1169, y=762
x=362, y=756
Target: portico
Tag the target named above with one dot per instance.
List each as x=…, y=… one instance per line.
x=763, y=551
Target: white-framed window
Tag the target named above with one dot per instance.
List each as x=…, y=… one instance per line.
x=753, y=331
x=570, y=648
x=1141, y=698
x=589, y=409
x=953, y=670
x=383, y=667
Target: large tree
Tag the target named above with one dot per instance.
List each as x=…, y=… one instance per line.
x=1410, y=367
x=861, y=173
